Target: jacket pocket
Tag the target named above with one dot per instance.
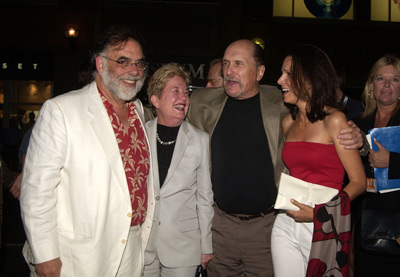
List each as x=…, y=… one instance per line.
x=189, y=224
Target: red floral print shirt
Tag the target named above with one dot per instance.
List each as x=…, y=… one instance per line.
x=134, y=152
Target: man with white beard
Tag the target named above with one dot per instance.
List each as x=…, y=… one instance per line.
x=87, y=197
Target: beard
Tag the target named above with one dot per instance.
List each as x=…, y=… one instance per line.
x=122, y=92
x=236, y=94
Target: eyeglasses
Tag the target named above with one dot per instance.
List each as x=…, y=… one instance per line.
x=140, y=65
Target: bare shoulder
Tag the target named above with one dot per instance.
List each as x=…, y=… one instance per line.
x=335, y=119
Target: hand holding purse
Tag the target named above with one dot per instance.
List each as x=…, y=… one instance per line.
x=200, y=272
x=303, y=192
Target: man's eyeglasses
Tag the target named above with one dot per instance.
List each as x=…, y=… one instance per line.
x=141, y=65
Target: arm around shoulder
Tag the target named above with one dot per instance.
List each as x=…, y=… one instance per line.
x=350, y=159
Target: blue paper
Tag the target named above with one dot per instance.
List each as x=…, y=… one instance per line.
x=389, y=138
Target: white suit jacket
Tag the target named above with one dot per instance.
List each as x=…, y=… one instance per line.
x=182, y=220
x=75, y=201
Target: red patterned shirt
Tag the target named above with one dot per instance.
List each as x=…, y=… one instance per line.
x=134, y=152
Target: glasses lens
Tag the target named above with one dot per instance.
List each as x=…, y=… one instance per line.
x=123, y=63
x=141, y=65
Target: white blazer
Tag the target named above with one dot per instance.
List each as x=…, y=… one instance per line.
x=182, y=220
x=75, y=201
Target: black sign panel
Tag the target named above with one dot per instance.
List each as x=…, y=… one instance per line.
x=26, y=66
x=196, y=66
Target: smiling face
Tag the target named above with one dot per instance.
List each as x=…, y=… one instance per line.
x=241, y=73
x=386, y=86
x=123, y=83
x=172, y=105
x=285, y=82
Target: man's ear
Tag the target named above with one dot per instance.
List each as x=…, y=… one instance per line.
x=155, y=101
x=99, y=64
x=260, y=72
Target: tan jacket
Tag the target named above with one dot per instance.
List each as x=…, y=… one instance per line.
x=206, y=106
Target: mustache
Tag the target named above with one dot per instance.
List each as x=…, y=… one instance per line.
x=130, y=78
x=227, y=79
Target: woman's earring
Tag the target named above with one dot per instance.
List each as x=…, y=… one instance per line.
x=371, y=95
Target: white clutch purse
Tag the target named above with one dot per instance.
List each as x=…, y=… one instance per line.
x=303, y=192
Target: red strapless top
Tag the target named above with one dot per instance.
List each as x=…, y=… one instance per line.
x=314, y=162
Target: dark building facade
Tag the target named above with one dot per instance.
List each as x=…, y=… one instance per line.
x=190, y=32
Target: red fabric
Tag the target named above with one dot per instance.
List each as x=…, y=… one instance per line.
x=330, y=250
x=135, y=157
x=316, y=163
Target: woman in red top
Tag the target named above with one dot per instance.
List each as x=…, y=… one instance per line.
x=311, y=151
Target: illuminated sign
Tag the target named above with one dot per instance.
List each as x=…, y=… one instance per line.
x=197, y=67
x=385, y=10
x=339, y=9
x=23, y=66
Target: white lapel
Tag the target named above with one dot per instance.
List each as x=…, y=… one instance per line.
x=101, y=127
x=151, y=127
x=182, y=141
x=139, y=110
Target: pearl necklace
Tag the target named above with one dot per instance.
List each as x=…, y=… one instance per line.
x=163, y=142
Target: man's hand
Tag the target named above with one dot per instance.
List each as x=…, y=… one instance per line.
x=205, y=258
x=50, y=268
x=16, y=187
x=305, y=214
x=380, y=158
x=351, y=137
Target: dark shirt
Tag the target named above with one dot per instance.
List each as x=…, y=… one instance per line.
x=379, y=202
x=242, y=170
x=365, y=124
x=164, y=152
x=354, y=108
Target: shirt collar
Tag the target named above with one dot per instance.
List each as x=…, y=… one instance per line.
x=109, y=106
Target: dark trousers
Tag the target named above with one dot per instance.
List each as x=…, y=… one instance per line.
x=241, y=248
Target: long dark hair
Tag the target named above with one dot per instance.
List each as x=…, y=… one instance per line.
x=314, y=81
